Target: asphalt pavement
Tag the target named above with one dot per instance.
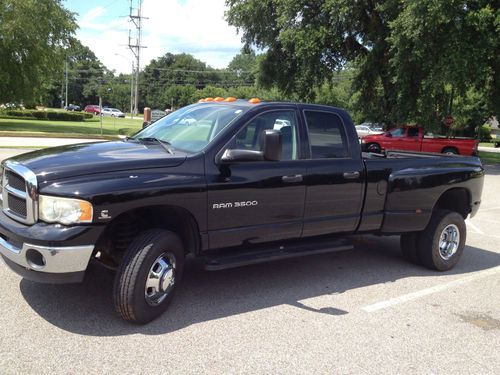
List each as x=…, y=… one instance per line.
x=361, y=311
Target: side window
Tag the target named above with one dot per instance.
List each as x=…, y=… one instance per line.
x=248, y=138
x=398, y=132
x=413, y=132
x=326, y=135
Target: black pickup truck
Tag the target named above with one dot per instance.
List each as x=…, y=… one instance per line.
x=232, y=182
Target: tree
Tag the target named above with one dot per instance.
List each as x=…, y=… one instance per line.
x=32, y=34
x=171, y=70
x=244, y=67
x=411, y=58
x=445, y=51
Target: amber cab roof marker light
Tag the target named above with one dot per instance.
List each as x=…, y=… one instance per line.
x=230, y=99
x=218, y=99
x=254, y=100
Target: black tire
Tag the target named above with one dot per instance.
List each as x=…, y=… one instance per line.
x=428, y=247
x=129, y=292
x=374, y=147
x=408, y=243
x=450, y=151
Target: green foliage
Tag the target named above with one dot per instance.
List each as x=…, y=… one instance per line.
x=44, y=115
x=31, y=35
x=169, y=71
x=484, y=133
x=411, y=59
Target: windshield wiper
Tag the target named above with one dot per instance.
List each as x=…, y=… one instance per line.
x=163, y=143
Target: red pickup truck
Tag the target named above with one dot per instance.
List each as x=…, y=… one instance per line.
x=412, y=138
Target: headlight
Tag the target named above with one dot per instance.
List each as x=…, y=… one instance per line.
x=64, y=210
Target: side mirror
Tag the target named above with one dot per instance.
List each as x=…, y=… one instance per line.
x=388, y=135
x=270, y=144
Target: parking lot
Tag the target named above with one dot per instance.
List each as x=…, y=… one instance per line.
x=360, y=311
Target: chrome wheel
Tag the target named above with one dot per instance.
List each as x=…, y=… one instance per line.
x=161, y=279
x=449, y=241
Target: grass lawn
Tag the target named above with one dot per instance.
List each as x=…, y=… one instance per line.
x=489, y=157
x=111, y=127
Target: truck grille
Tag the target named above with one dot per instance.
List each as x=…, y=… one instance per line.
x=16, y=181
x=17, y=205
x=19, y=192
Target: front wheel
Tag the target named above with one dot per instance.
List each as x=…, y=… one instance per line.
x=450, y=151
x=441, y=243
x=148, y=276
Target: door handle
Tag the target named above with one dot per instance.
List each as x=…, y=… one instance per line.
x=292, y=178
x=351, y=175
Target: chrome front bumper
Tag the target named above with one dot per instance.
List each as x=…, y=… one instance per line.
x=42, y=259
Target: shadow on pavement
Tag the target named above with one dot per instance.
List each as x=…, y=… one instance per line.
x=87, y=308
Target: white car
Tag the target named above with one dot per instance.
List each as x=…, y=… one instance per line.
x=113, y=112
x=364, y=130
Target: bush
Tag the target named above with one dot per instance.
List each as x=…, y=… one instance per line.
x=484, y=133
x=65, y=116
x=87, y=115
x=18, y=113
x=39, y=115
x=44, y=115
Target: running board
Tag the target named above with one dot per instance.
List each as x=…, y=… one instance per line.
x=239, y=258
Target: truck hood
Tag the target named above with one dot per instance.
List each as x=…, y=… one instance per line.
x=98, y=157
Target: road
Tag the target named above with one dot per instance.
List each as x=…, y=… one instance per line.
x=361, y=311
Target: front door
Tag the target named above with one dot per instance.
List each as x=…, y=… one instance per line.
x=258, y=201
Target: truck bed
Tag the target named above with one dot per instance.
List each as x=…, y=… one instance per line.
x=403, y=187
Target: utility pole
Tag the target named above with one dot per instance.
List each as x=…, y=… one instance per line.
x=135, y=46
x=132, y=92
x=66, y=74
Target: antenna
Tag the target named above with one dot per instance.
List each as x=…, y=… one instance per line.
x=135, y=16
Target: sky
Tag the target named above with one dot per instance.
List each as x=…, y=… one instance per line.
x=191, y=26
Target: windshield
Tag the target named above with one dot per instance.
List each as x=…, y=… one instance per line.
x=192, y=128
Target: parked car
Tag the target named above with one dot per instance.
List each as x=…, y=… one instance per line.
x=374, y=126
x=72, y=107
x=92, y=108
x=113, y=112
x=412, y=138
x=364, y=130
x=218, y=181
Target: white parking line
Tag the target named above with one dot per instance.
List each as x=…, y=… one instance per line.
x=425, y=292
x=474, y=227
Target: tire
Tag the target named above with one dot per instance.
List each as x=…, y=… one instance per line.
x=154, y=255
x=408, y=243
x=373, y=147
x=450, y=151
x=428, y=248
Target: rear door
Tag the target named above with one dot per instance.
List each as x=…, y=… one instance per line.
x=335, y=172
